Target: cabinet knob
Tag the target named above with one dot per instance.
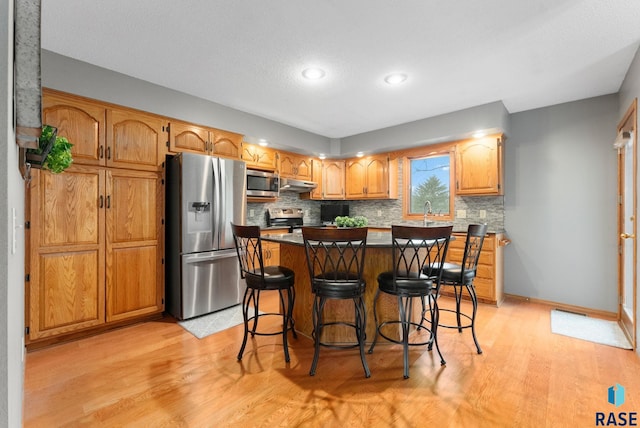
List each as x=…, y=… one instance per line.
x=627, y=236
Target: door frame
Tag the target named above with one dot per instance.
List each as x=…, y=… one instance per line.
x=628, y=124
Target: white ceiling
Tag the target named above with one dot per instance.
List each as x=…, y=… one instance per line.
x=249, y=54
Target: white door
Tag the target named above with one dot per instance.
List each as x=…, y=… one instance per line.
x=627, y=214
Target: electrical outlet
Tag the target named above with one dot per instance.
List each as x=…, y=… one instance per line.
x=379, y=213
x=306, y=213
x=483, y=213
x=462, y=214
x=252, y=213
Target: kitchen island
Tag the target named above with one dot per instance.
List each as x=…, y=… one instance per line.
x=378, y=258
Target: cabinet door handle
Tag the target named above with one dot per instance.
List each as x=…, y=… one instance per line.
x=109, y=153
x=109, y=201
x=101, y=151
x=101, y=201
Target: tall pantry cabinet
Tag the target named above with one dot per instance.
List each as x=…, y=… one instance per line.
x=96, y=240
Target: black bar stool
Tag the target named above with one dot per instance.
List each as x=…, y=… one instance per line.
x=335, y=258
x=262, y=278
x=417, y=253
x=461, y=276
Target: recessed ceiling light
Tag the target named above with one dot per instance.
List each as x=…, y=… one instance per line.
x=359, y=154
x=263, y=142
x=395, y=78
x=322, y=156
x=313, y=73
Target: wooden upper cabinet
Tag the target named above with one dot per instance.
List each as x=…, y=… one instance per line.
x=259, y=157
x=134, y=139
x=66, y=265
x=316, y=176
x=377, y=176
x=369, y=178
x=134, y=275
x=226, y=144
x=296, y=166
x=479, y=167
x=81, y=121
x=333, y=174
x=185, y=137
x=355, y=179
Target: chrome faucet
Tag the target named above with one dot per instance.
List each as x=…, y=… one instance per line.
x=427, y=212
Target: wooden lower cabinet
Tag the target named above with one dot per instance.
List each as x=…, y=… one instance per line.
x=271, y=250
x=489, y=281
x=134, y=276
x=96, y=249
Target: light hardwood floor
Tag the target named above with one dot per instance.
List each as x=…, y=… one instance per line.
x=158, y=375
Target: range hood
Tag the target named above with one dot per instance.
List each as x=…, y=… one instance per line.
x=296, y=186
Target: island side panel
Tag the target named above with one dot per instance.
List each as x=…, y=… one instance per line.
x=377, y=260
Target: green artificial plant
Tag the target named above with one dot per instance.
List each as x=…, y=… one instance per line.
x=356, y=221
x=58, y=153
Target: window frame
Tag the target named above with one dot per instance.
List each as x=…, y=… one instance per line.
x=406, y=184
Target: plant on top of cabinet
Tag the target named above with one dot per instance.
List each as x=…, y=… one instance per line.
x=53, y=153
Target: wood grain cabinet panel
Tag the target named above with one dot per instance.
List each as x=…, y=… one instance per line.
x=479, y=169
x=66, y=265
x=295, y=166
x=96, y=249
x=333, y=174
x=134, y=140
x=134, y=252
x=81, y=121
x=226, y=144
x=132, y=283
x=185, y=137
x=373, y=177
x=259, y=157
x=271, y=250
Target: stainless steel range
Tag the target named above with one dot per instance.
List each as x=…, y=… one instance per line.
x=293, y=218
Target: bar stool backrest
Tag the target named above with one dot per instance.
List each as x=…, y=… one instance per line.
x=335, y=256
x=419, y=252
x=472, y=248
x=249, y=250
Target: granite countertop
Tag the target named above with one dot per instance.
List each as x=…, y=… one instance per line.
x=374, y=239
x=456, y=227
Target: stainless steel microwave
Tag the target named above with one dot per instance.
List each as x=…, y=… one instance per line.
x=262, y=183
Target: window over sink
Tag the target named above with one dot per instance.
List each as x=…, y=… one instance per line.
x=427, y=184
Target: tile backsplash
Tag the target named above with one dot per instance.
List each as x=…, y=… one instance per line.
x=390, y=210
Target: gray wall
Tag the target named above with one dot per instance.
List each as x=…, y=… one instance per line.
x=492, y=117
x=628, y=92
x=11, y=264
x=80, y=78
x=560, y=204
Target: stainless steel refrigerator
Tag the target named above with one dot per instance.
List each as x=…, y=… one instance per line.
x=204, y=195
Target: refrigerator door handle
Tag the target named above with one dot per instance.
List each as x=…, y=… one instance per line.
x=209, y=256
x=217, y=201
x=223, y=220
